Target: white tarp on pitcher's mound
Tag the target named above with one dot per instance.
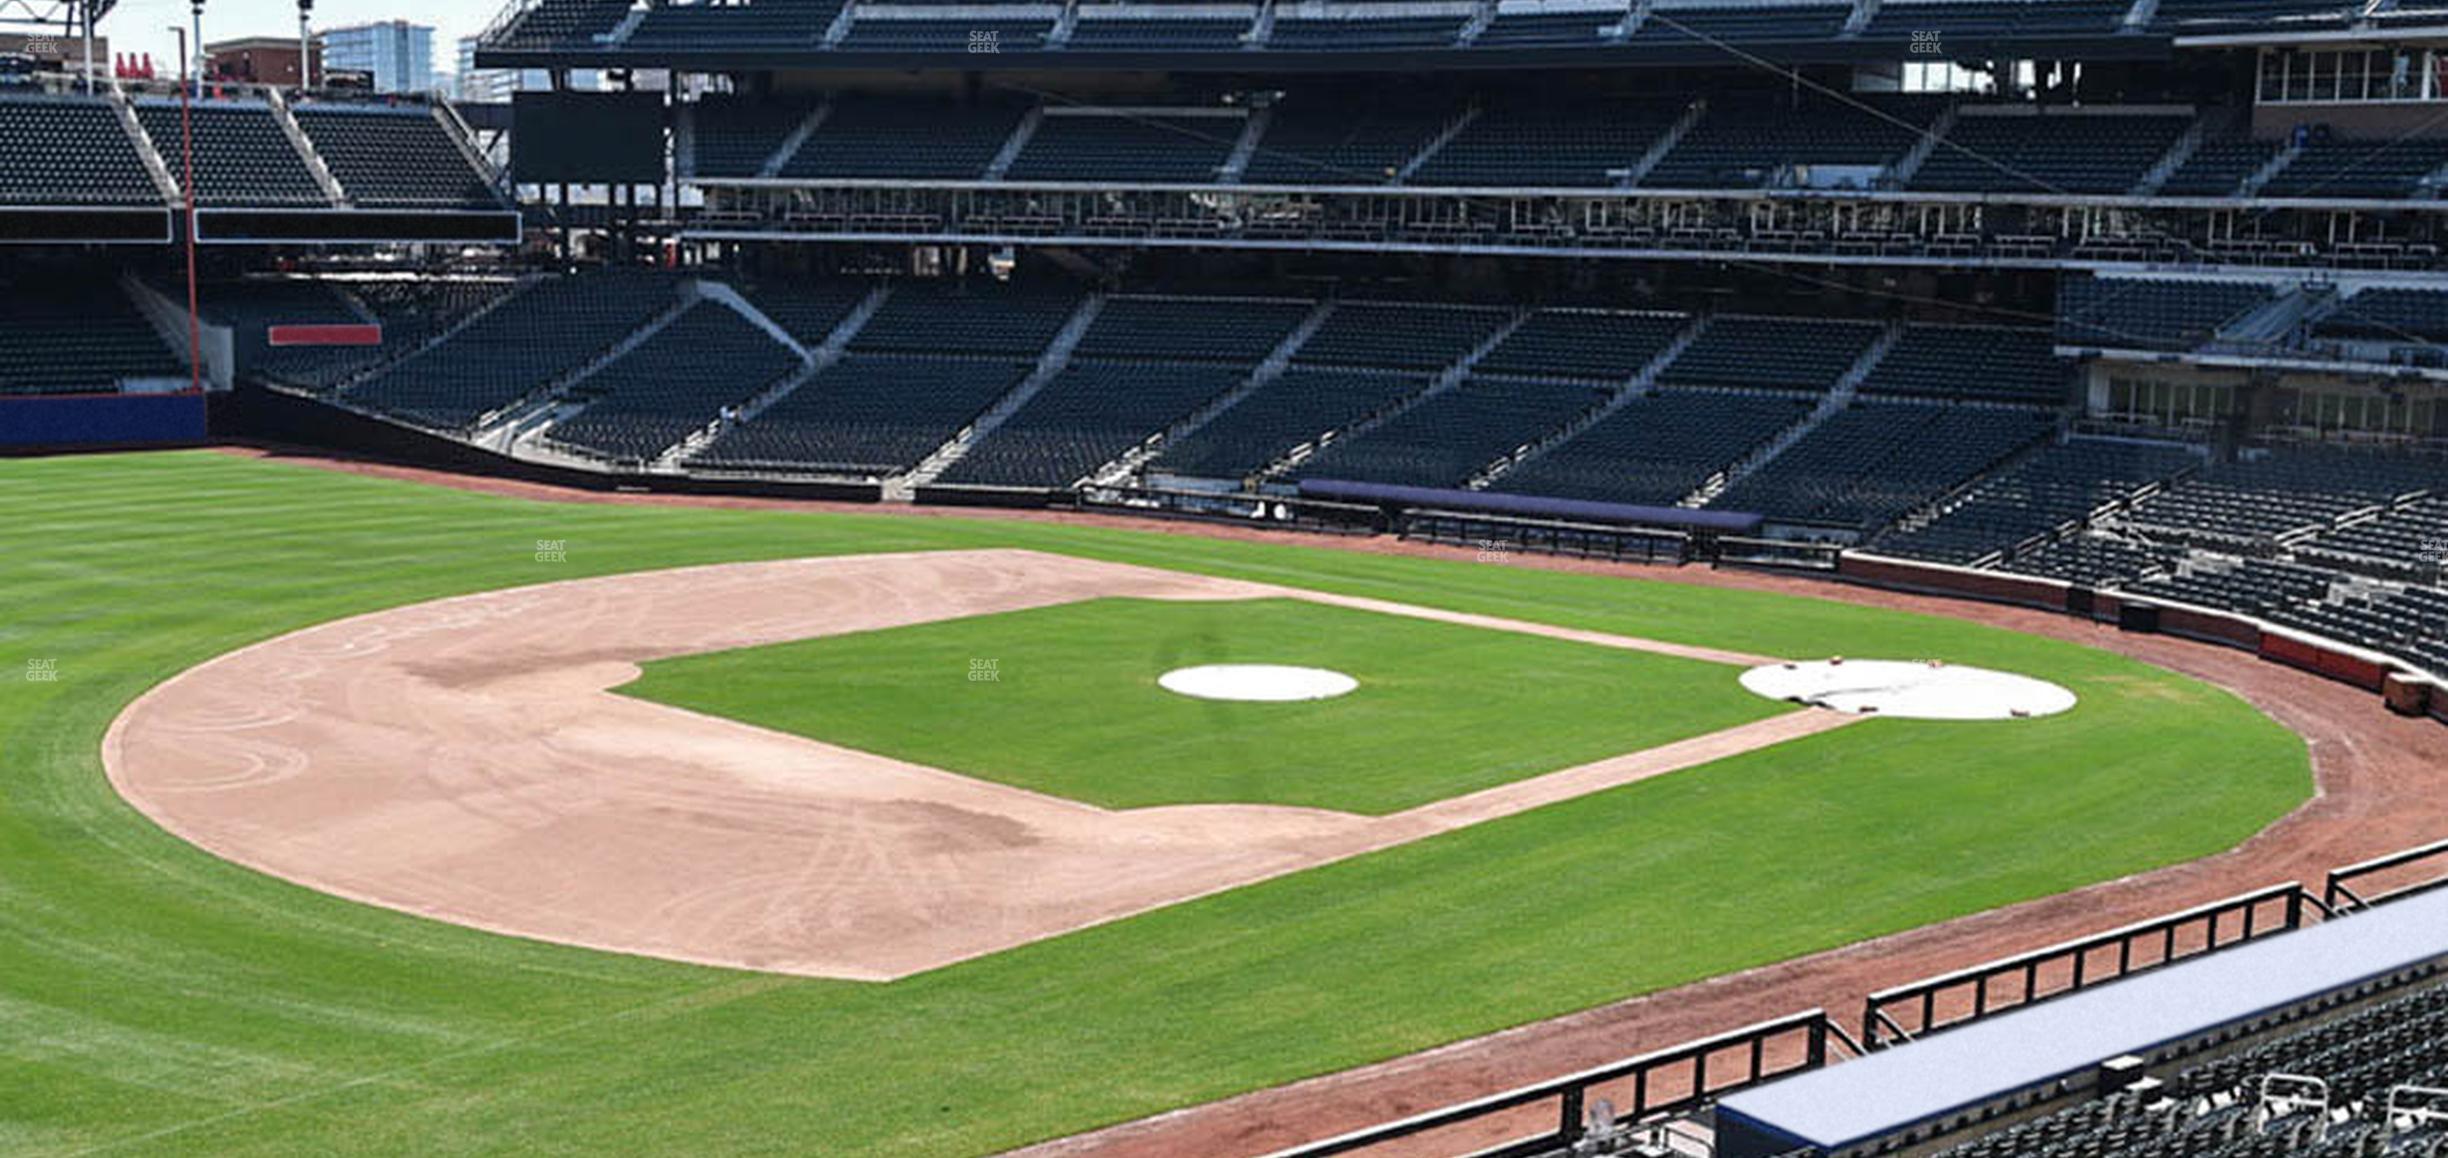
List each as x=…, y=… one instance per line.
x=1912, y=689
x=1264, y=682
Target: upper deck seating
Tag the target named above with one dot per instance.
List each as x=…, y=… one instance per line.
x=1342, y=143
x=1129, y=27
x=1715, y=23
x=2219, y=168
x=2204, y=17
x=1527, y=29
x=2385, y=169
x=1565, y=145
x=241, y=155
x=1753, y=139
x=1127, y=146
x=735, y=135
x=2393, y=313
x=1364, y=32
x=2056, y=151
x=1972, y=22
x=969, y=35
x=565, y=23
x=395, y=158
x=69, y=151
x=2152, y=313
x=875, y=137
x=707, y=24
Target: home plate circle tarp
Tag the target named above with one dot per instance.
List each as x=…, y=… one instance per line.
x=1263, y=682
x=1913, y=689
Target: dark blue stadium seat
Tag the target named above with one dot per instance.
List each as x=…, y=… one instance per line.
x=86, y=155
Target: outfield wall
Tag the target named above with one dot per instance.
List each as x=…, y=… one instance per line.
x=101, y=421
x=1943, y=579
x=253, y=412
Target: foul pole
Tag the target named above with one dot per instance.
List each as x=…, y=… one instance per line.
x=195, y=325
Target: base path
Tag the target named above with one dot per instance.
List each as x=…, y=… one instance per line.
x=466, y=760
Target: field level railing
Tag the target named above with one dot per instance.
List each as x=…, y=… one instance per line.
x=2340, y=894
x=1669, y=1081
x=1900, y=1014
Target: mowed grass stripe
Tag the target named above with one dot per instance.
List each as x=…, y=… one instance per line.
x=318, y=1026
x=1074, y=708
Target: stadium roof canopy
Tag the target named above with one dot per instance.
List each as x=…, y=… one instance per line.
x=1889, y=1092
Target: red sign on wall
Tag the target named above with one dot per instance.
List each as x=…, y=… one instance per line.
x=358, y=334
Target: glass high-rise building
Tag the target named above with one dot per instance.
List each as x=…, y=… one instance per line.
x=398, y=54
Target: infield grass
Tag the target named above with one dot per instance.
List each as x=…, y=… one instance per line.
x=154, y=999
x=1074, y=708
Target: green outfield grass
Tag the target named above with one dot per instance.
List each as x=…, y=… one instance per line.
x=156, y=1000
x=1074, y=708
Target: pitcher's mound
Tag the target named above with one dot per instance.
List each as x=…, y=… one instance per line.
x=1914, y=690
x=1264, y=682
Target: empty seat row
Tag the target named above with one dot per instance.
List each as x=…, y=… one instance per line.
x=681, y=380
x=1769, y=353
x=2153, y=313
x=1446, y=438
x=1994, y=362
x=71, y=334
x=2036, y=494
x=69, y=151
x=1865, y=465
x=537, y=337
x=1656, y=449
x=241, y=155
x=395, y=158
x=866, y=415
x=2059, y=151
x=1302, y=406
x=1087, y=415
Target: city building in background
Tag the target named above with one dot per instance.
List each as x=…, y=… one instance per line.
x=396, y=53
x=259, y=59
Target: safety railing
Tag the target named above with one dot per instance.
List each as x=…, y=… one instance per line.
x=1653, y=1085
x=1906, y=1012
x=2341, y=895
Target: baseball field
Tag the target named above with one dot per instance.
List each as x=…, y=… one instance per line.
x=157, y=998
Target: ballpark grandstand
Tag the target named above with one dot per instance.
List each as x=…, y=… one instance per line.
x=1764, y=578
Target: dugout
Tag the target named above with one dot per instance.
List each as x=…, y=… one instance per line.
x=1903, y=1097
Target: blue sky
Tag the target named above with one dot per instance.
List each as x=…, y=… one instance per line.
x=144, y=25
